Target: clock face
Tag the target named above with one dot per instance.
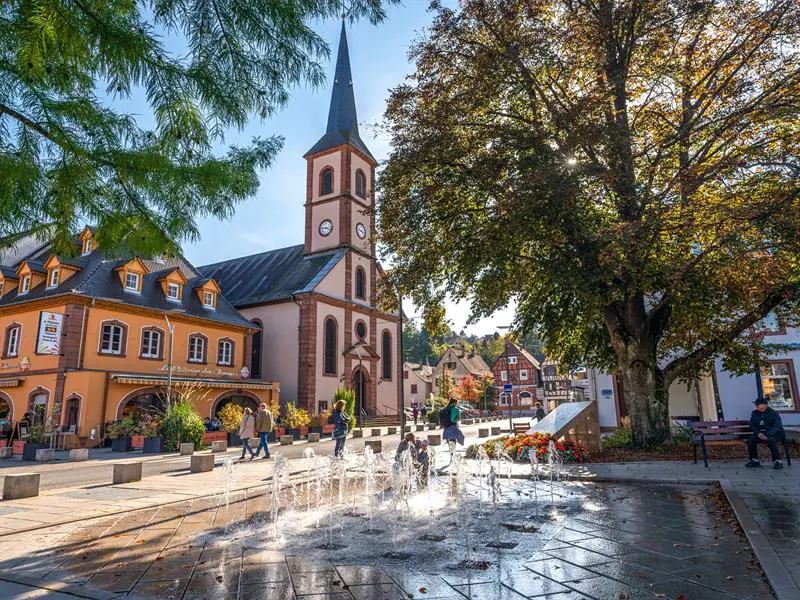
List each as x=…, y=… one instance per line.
x=325, y=228
x=361, y=231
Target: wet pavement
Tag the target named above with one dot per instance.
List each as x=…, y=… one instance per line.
x=597, y=541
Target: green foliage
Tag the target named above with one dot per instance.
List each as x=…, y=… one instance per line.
x=681, y=434
x=589, y=163
x=231, y=416
x=294, y=417
x=68, y=154
x=349, y=397
x=36, y=434
x=622, y=437
x=182, y=424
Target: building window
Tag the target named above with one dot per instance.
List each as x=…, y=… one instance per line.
x=361, y=330
x=73, y=412
x=52, y=278
x=321, y=406
x=225, y=352
x=86, y=248
x=112, y=338
x=326, y=181
x=361, y=283
x=505, y=399
x=503, y=375
x=208, y=299
x=13, y=335
x=386, y=355
x=512, y=360
x=151, y=343
x=523, y=374
x=361, y=184
x=25, y=284
x=330, y=347
x=779, y=385
x=131, y=281
x=173, y=291
x=413, y=388
x=255, y=355
x=197, y=349
x=550, y=371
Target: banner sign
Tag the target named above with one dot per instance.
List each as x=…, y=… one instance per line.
x=49, y=341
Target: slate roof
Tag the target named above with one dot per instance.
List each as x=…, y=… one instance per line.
x=271, y=276
x=8, y=271
x=424, y=372
x=97, y=279
x=342, y=119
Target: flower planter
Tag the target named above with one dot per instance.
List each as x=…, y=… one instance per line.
x=153, y=445
x=303, y=431
x=315, y=429
x=137, y=442
x=121, y=444
x=30, y=448
x=328, y=428
x=294, y=432
x=234, y=439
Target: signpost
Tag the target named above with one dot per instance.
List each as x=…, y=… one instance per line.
x=508, y=389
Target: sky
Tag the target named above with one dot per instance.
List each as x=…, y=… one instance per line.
x=274, y=217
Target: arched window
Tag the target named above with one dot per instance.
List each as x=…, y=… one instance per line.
x=326, y=181
x=37, y=405
x=330, y=346
x=361, y=283
x=225, y=352
x=255, y=355
x=198, y=345
x=361, y=184
x=13, y=336
x=386, y=355
x=73, y=412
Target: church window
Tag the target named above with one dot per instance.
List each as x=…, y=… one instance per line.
x=361, y=330
x=386, y=357
x=326, y=181
x=361, y=184
x=330, y=346
x=361, y=283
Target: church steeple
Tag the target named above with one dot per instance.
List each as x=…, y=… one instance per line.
x=342, y=119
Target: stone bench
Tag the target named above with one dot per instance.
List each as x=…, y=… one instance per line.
x=127, y=472
x=313, y=437
x=219, y=446
x=496, y=430
x=357, y=433
x=434, y=439
x=20, y=485
x=187, y=449
x=376, y=445
x=391, y=430
x=420, y=427
x=376, y=432
x=287, y=440
x=44, y=454
x=78, y=454
x=7, y=452
x=201, y=463
x=483, y=432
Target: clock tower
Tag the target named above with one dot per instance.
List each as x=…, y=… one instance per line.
x=340, y=175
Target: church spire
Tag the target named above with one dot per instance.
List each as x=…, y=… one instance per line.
x=342, y=119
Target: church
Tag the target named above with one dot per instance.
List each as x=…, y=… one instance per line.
x=315, y=304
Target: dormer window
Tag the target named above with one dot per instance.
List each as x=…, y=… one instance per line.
x=173, y=291
x=25, y=284
x=86, y=247
x=209, y=299
x=52, y=278
x=131, y=281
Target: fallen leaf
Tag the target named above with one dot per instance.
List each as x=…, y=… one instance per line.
x=219, y=578
x=423, y=590
x=729, y=578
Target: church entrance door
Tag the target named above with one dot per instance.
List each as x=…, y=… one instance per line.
x=361, y=387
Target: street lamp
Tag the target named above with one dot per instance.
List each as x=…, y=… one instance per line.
x=171, y=330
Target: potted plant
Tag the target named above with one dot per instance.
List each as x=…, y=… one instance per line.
x=278, y=430
x=182, y=423
x=120, y=440
x=295, y=419
x=150, y=428
x=303, y=420
x=315, y=426
x=231, y=416
x=34, y=441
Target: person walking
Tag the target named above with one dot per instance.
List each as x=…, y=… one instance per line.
x=341, y=421
x=415, y=413
x=247, y=429
x=767, y=428
x=263, y=427
x=408, y=443
x=539, y=411
x=452, y=416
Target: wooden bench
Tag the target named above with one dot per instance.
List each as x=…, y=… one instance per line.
x=704, y=432
x=521, y=428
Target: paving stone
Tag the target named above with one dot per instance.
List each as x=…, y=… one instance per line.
x=579, y=556
x=115, y=581
x=603, y=588
x=316, y=582
x=361, y=574
x=723, y=579
x=632, y=574
x=281, y=590
x=559, y=570
x=530, y=584
x=264, y=572
x=603, y=546
x=381, y=591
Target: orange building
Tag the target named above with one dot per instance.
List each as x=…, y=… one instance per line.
x=88, y=338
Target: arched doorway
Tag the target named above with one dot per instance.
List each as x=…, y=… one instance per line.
x=37, y=405
x=141, y=401
x=360, y=384
x=242, y=399
x=73, y=411
x=6, y=407
x=525, y=398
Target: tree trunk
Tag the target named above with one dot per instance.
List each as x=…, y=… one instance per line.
x=648, y=402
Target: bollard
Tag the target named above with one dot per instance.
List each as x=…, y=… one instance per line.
x=313, y=437
x=44, y=454
x=219, y=446
x=391, y=430
x=434, y=439
x=357, y=433
x=78, y=454
x=187, y=449
x=432, y=426
x=20, y=485
x=127, y=472
x=201, y=463
x=407, y=429
x=287, y=440
x=496, y=430
x=376, y=445
x=376, y=432
x=483, y=432
x=420, y=427
x=6, y=452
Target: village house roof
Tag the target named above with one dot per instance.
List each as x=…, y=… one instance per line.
x=472, y=362
x=271, y=276
x=424, y=372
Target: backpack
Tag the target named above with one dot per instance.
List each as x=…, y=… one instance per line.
x=444, y=417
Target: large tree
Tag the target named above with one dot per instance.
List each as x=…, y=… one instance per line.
x=626, y=170
x=68, y=154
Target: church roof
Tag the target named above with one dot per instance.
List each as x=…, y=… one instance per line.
x=271, y=276
x=342, y=118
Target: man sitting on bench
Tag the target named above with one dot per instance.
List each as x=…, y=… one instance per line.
x=767, y=428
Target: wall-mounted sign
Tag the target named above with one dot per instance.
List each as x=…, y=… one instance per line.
x=244, y=372
x=606, y=393
x=49, y=340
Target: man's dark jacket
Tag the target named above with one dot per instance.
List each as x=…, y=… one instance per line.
x=772, y=423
